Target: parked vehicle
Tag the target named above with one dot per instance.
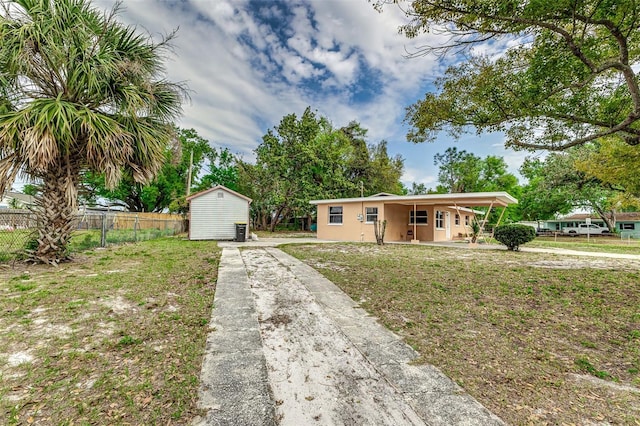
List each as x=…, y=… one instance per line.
x=584, y=229
x=544, y=231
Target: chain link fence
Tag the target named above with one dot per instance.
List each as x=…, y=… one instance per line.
x=18, y=228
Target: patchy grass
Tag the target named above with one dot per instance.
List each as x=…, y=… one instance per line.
x=116, y=337
x=596, y=244
x=13, y=243
x=285, y=234
x=537, y=338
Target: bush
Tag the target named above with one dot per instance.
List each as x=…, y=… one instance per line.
x=514, y=235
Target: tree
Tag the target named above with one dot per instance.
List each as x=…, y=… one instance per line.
x=78, y=91
x=305, y=158
x=370, y=169
x=221, y=170
x=298, y=160
x=615, y=163
x=417, y=189
x=559, y=184
x=386, y=170
x=460, y=171
x=169, y=184
x=565, y=75
x=537, y=202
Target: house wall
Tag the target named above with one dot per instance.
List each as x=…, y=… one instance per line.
x=398, y=223
x=213, y=217
x=351, y=228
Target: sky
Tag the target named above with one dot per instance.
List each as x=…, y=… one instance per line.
x=248, y=63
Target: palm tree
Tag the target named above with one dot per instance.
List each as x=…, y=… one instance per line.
x=79, y=91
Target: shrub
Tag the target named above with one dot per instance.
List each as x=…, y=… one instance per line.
x=514, y=235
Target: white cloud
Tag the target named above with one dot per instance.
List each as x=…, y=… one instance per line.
x=247, y=74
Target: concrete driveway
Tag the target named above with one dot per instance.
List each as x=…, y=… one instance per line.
x=288, y=347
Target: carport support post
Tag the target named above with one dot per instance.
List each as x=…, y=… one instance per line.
x=415, y=226
x=466, y=234
x=499, y=219
x=484, y=220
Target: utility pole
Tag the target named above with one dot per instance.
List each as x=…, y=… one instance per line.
x=189, y=173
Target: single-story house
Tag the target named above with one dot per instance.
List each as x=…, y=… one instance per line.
x=431, y=217
x=16, y=200
x=626, y=222
x=214, y=213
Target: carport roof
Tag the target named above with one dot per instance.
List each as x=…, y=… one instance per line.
x=475, y=199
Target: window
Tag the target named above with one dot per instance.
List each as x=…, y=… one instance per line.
x=439, y=219
x=220, y=194
x=466, y=220
x=335, y=215
x=457, y=219
x=372, y=214
x=627, y=226
x=420, y=216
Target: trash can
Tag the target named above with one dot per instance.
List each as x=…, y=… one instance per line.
x=241, y=232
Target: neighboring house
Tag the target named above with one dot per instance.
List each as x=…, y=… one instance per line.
x=432, y=217
x=214, y=213
x=16, y=200
x=626, y=223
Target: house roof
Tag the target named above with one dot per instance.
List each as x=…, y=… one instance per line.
x=24, y=198
x=620, y=217
x=224, y=188
x=475, y=199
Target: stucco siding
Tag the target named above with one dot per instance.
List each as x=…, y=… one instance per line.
x=399, y=226
x=351, y=228
x=213, y=217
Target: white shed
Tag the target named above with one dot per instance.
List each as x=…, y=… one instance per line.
x=213, y=213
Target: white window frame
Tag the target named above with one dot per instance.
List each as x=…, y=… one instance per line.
x=418, y=217
x=627, y=226
x=367, y=214
x=336, y=215
x=466, y=220
x=457, y=219
x=439, y=219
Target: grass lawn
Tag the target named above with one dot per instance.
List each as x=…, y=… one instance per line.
x=12, y=243
x=285, y=234
x=115, y=337
x=537, y=338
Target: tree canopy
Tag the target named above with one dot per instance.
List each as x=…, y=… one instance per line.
x=557, y=186
x=616, y=164
x=462, y=171
x=563, y=74
x=169, y=184
x=79, y=91
x=305, y=158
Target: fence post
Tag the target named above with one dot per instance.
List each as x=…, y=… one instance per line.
x=103, y=233
x=135, y=229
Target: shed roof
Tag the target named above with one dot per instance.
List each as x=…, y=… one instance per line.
x=222, y=187
x=464, y=199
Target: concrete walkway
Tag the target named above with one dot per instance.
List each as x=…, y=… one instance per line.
x=288, y=347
